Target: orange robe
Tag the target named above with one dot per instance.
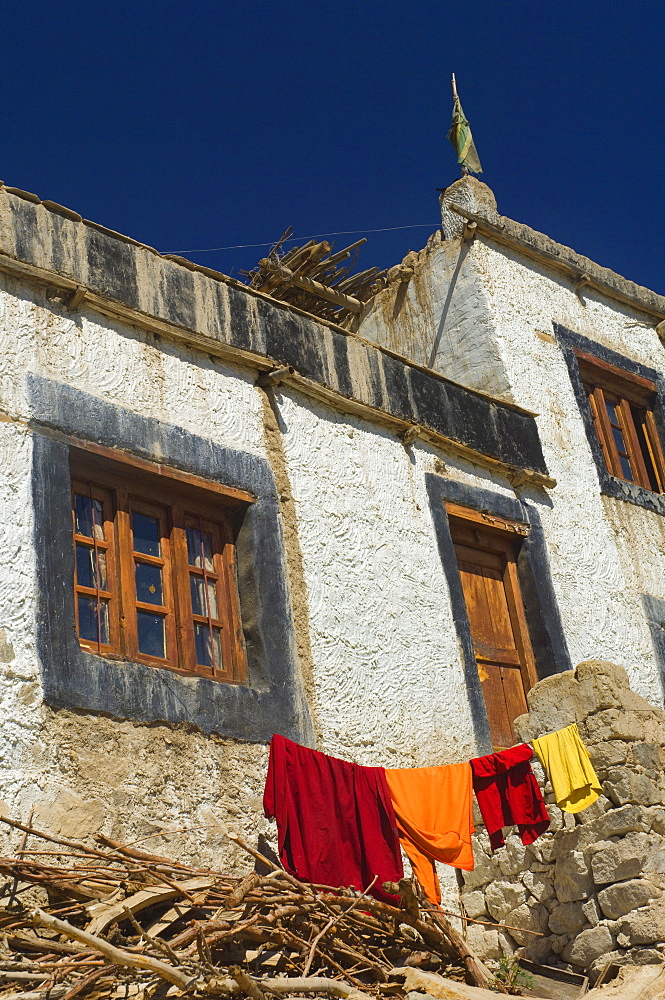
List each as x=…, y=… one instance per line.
x=433, y=808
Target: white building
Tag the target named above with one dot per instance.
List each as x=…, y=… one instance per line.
x=397, y=538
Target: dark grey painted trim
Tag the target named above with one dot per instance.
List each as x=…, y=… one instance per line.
x=273, y=699
x=138, y=279
x=609, y=484
x=543, y=620
x=654, y=611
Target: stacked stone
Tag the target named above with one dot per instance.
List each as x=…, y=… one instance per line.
x=593, y=885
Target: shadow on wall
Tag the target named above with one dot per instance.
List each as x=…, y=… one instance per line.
x=654, y=610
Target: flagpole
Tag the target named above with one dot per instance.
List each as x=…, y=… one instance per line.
x=464, y=171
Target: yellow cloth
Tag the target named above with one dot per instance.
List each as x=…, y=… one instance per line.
x=569, y=767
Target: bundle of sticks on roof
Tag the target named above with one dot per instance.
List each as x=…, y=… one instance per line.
x=315, y=279
x=115, y=921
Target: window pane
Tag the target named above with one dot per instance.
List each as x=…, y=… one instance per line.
x=626, y=469
x=91, y=627
x=151, y=634
x=84, y=510
x=148, y=583
x=198, y=590
x=612, y=412
x=85, y=567
x=208, y=647
x=619, y=441
x=199, y=547
x=146, y=534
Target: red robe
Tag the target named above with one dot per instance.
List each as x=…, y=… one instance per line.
x=508, y=794
x=335, y=820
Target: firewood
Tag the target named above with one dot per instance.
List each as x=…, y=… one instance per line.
x=115, y=955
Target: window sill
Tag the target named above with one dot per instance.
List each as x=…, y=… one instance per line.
x=621, y=489
x=91, y=647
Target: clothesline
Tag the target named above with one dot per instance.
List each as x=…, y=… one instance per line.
x=342, y=824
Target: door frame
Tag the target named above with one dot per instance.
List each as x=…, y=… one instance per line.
x=501, y=537
x=533, y=570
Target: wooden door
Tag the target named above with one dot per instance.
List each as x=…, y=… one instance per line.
x=486, y=557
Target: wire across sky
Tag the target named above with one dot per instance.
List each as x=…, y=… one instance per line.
x=296, y=239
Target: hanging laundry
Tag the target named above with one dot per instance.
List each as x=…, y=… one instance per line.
x=569, y=768
x=335, y=820
x=508, y=794
x=433, y=806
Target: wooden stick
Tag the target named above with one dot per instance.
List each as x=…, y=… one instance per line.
x=246, y=983
x=311, y=984
x=131, y=852
x=84, y=983
x=77, y=845
x=55, y=993
x=331, y=923
x=115, y=955
x=475, y=967
x=243, y=889
x=155, y=942
x=39, y=944
x=24, y=841
x=303, y=886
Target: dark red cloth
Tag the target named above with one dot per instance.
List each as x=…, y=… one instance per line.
x=335, y=820
x=508, y=793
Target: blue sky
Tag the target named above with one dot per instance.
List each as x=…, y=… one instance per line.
x=199, y=125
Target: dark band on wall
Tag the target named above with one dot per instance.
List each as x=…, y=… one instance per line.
x=273, y=699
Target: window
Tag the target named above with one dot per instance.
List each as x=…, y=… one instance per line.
x=622, y=409
x=155, y=567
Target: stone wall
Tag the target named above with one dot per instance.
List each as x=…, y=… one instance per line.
x=593, y=884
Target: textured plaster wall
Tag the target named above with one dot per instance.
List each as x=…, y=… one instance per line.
x=604, y=553
x=387, y=683
x=86, y=772
x=441, y=317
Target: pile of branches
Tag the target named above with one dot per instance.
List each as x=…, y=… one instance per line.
x=114, y=921
x=315, y=279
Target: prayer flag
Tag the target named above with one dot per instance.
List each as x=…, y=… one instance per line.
x=461, y=138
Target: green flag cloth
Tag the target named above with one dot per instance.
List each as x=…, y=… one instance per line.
x=462, y=140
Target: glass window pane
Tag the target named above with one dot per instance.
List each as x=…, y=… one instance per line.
x=85, y=509
x=146, y=534
x=619, y=441
x=612, y=412
x=199, y=548
x=208, y=646
x=85, y=567
x=626, y=469
x=92, y=627
x=198, y=591
x=148, y=583
x=85, y=563
x=152, y=638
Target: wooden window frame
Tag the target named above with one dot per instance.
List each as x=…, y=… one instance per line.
x=176, y=500
x=632, y=398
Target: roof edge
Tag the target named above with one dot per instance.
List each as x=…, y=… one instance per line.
x=584, y=272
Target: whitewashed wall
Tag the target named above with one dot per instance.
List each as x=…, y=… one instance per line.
x=604, y=552
x=388, y=681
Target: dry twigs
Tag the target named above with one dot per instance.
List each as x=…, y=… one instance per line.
x=316, y=280
x=105, y=917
